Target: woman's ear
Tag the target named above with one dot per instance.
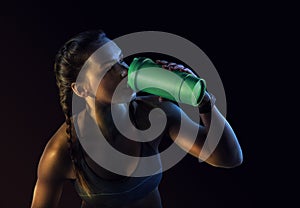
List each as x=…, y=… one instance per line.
x=79, y=90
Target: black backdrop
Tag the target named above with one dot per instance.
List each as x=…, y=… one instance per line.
x=234, y=40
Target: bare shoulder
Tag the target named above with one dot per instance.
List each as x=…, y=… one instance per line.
x=55, y=162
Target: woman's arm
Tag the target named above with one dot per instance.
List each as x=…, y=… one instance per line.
x=227, y=152
x=53, y=170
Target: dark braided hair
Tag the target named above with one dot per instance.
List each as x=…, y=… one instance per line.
x=68, y=63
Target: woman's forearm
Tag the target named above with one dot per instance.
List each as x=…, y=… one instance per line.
x=228, y=152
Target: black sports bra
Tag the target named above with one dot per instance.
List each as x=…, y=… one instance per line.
x=107, y=193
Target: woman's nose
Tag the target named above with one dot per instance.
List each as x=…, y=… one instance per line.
x=124, y=73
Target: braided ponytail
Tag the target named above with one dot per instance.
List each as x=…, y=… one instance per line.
x=68, y=62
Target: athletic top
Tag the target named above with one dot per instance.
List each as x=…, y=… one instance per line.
x=116, y=193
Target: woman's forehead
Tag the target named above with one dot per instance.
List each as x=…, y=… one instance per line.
x=105, y=55
x=100, y=61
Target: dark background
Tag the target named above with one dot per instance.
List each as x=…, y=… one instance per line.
x=238, y=39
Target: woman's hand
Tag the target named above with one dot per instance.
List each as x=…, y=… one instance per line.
x=208, y=100
x=171, y=66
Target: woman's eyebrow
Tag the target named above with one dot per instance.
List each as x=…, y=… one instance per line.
x=112, y=61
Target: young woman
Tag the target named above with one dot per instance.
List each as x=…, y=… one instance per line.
x=64, y=157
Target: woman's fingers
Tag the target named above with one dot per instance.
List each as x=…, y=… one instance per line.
x=162, y=62
x=179, y=67
x=174, y=66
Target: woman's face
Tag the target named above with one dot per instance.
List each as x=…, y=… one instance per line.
x=114, y=81
x=107, y=74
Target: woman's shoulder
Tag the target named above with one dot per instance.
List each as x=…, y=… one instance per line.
x=55, y=162
x=59, y=141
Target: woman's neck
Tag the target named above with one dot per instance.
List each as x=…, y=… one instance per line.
x=103, y=112
x=102, y=116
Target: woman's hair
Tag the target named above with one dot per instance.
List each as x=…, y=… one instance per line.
x=68, y=63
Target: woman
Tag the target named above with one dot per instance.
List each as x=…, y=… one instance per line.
x=64, y=157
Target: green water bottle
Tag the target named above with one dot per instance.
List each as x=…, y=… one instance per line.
x=147, y=76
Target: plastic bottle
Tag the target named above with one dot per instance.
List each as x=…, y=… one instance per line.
x=145, y=75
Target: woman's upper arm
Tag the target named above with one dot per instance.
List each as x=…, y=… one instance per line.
x=52, y=172
x=46, y=193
